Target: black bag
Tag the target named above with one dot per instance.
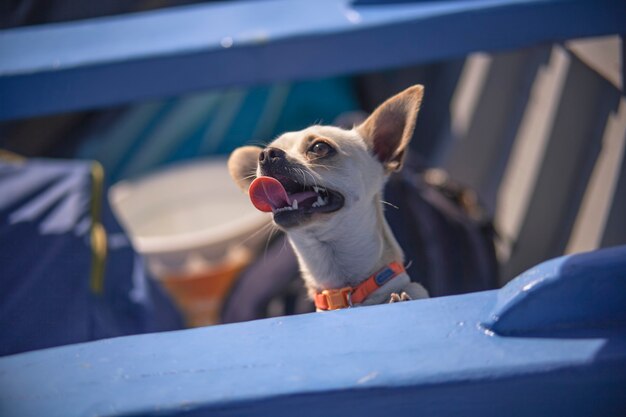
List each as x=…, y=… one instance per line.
x=68, y=272
x=446, y=235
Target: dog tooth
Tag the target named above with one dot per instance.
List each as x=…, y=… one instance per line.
x=286, y=208
x=294, y=205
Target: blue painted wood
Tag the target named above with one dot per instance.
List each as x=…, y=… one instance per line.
x=427, y=358
x=107, y=61
x=578, y=292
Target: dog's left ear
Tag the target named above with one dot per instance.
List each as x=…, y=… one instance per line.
x=389, y=128
x=242, y=165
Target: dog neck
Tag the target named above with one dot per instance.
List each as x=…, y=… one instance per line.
x=346, y=252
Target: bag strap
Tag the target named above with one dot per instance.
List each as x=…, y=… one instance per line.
x=98, y=235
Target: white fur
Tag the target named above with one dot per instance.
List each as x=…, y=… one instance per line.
x=345, y=247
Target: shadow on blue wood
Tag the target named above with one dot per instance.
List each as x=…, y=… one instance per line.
x=427, y=358
x=107, y=61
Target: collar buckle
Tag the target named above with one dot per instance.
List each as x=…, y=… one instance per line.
x=339, y=298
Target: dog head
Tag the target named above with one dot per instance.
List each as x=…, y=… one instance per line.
x=321, y=174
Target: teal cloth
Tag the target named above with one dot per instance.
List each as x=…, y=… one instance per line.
x=146, y=136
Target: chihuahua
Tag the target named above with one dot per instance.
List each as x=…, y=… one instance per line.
x=324, y=187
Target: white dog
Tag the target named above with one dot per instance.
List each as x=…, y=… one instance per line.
x=324, y=187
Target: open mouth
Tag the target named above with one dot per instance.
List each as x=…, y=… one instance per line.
x=290, y=201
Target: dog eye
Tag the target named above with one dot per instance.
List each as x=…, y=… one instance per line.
x=320, y=149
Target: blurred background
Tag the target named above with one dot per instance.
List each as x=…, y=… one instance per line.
x=154, y=236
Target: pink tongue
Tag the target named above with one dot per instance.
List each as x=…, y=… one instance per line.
x=267, y=193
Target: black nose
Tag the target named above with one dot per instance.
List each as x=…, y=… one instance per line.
x=271, y=155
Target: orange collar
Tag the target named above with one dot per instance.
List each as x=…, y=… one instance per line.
x=347, y=296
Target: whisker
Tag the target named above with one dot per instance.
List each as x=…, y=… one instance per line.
x=389, y=204
x=269, y=239
x=284, y=244
x=260, y=143
x=249, y=176
x=313, y=165
x=257, y=232
x=303, y=175
x=315, y=180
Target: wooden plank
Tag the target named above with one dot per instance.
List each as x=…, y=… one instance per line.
x=592, y=228
x=481, y=153
x=615, y=226
x=528, y=151
x=604, y=55
x=428, y=358
x=107, y=61
x=433, y=123
x=575, y=142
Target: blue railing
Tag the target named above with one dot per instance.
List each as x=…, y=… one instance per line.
x=448, y=356
x=106, y=61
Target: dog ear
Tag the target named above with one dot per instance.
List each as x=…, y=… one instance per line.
x=242, y=165
x=389, y=128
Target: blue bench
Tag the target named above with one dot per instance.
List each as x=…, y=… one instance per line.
x=552, y=342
